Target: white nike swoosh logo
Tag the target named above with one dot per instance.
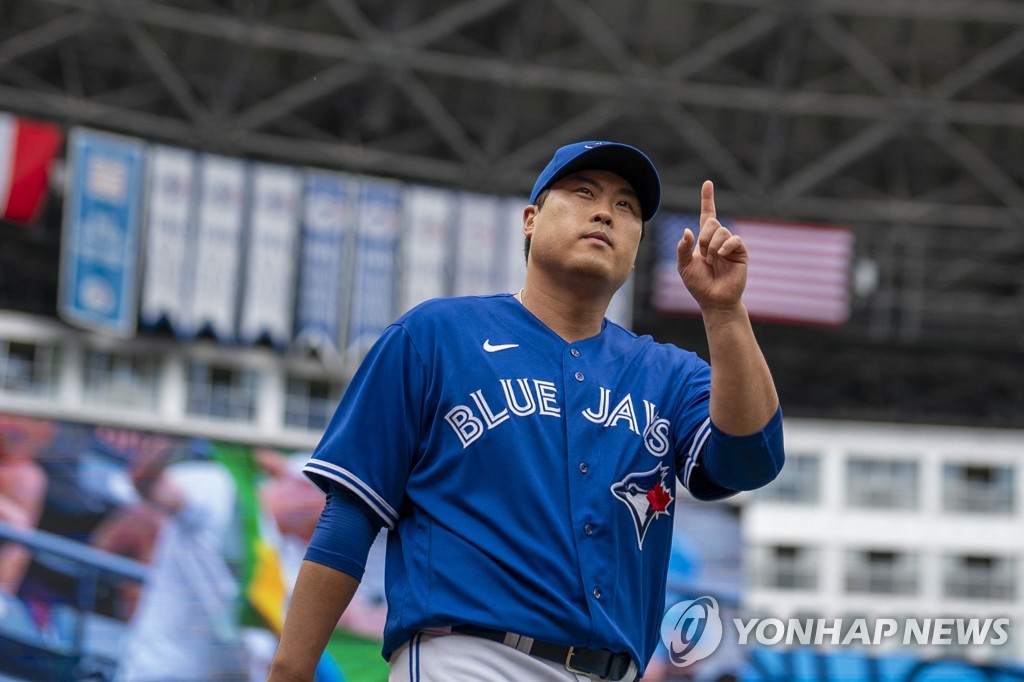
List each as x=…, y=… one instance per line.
x=494, y=349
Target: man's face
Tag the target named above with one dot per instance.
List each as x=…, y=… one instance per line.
x=589, y=227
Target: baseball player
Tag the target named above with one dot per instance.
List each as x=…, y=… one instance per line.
x=523, y=451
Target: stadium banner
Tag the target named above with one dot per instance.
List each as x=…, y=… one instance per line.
x=799, y=272
x=217, y=258
x=511, y=259
x=102, y=232
x=268, y=296
x=143, y=548
x=27, y=148
x=478, y=226
x=426, y=246
x=329, y=201
x=373, y=290
x=170, y=212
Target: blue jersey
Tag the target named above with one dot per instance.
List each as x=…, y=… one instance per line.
x=528, y=482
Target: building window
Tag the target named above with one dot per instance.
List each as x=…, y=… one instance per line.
x=881, y=484
x=881, y=572
x=123, y=380
x=309, y=403
x=799, y=482
x=786, y=567
x=29, y=368
x=980, y=577
x=221, y=392
x=978, y=488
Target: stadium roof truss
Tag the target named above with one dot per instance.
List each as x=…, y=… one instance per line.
x=901, y=119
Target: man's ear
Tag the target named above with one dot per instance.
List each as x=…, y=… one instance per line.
x=529, y=216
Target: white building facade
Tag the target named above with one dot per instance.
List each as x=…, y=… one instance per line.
x=891, y=521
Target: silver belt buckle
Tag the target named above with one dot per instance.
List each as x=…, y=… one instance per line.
x=568, y=663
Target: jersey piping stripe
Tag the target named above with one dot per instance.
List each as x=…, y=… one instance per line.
x=353, y=483
x=360, y=489
x=414, y=657
x=694, y=459
x=701, y=437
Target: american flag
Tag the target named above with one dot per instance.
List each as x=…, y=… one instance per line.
x=798, y=272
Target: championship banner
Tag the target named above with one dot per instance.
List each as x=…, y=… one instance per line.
x=373, y=291
x=798, y=272
x=27, y=149
x=429, y=213
x=168, y=262
x=268, y=296
x=324, y=271
x=102, y=230
x=511, y=259
x=479, y=223
x=218, y=246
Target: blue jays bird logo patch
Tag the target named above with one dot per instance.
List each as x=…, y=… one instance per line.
x=646, y=497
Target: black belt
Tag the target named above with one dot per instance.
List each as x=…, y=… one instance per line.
x=598, y=662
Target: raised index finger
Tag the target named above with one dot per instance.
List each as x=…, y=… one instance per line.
x=707, y=202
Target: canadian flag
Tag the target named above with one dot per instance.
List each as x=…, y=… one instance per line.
x=26, y=149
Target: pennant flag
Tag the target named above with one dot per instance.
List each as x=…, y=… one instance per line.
x=479, y=227
x=373, y=287
x=511, y=260
x=170, y=208
x=426, y=245
x=268, y=297
x=217, y=258
x=102, y=231
x=324, y=270
x=798, y=272
x=26, y=149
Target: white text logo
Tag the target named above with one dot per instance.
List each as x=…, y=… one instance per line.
x=862, y=632
x=494, y=349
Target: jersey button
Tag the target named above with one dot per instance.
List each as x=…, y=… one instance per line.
x=575, y=352
x=579, y=376
x=588, y=529
x=597, y=593
x=584, y=467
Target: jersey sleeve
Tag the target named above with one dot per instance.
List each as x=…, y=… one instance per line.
x=746, y=462
x=343, y=535
x=693, y=414
x=714, y=465
x=373, y=439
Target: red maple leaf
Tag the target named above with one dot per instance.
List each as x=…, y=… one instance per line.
x=659, y=497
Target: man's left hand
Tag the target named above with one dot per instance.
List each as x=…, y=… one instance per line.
x=714, y=269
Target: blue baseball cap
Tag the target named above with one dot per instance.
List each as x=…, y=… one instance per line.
x=629, y=163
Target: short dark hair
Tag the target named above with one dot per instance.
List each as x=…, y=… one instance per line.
x=539, y=203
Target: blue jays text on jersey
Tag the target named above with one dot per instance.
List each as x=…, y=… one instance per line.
x=528, y=482
x=525, y=397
